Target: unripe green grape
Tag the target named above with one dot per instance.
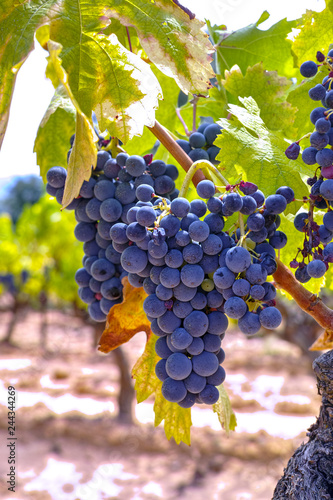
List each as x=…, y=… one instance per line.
x=250, y=244
x=207, y=285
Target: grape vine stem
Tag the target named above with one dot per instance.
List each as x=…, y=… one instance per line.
x=309, y=302
x=175, y=150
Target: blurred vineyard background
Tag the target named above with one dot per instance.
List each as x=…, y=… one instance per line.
x=81, y=433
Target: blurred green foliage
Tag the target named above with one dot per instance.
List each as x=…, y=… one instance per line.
x=42, y=243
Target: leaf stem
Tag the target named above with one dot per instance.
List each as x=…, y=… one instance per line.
x=197, y=165
x=181, y=119
x=129, y=39
x=194, y=120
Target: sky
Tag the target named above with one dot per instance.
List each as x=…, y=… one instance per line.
x=33, y=91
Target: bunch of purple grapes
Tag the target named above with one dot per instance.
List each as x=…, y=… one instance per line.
x=103, y=201
x=200, y=145
x=317, y=247
x=196, y=274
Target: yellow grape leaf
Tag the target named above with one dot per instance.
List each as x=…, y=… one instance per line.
x=84, y=153
x=225, y=413
x=125, y=320
x=146, y=381
x=177, y=420
x=325, y=341
x=83, y=157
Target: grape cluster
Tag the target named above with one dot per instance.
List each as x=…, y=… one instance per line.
x=315, y=254
x=103, y=202
x=196, y=274
x=200, y=145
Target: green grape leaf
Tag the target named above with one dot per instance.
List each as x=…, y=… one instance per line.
x=50, y=146
x=176, y=44
x=268, y=90
x=299, y=98
x=250, y=45
x=18, y=23
x=225, y=413
x=250, y=150
x=177, y=420
x=104, y=76
x=143, y=372
x=315, y=34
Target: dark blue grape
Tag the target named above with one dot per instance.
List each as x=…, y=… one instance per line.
x=135, y=165
x=192, y=275
x=154, y=307
x=205, y=364
x=184, y=145
x=172, y=171
x=178, y=366
x=195, y=383
x=198, y=154
x=206, y=189
x=218, y=323
x=197, y=140
x=96, y=312
x=287, y=192
x=211, y=132
x=173, y=390
x=196, y=323
x=198, y=207
x=209, y=395
x=308, y=69
x=133, y=259
x=270, y=318
x=56, y=177
x=160, y=370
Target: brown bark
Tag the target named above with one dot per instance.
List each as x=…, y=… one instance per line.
x=126, y=393
x=13, y=321
x=175, y=150
x=309, y=302
x=309, y=473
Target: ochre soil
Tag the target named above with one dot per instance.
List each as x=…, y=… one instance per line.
x=244, y=466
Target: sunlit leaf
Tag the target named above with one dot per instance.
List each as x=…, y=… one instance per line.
x=51, y=146
x=250, y=45
x=249, y=149
x=126, y=319
x=177, y=420
x=268, y=90
x=315, y=34
x=176, y=44
x=143, y=372
x=225, y=413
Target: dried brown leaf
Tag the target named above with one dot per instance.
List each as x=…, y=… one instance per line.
x=125, y=320
x=325, y=341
